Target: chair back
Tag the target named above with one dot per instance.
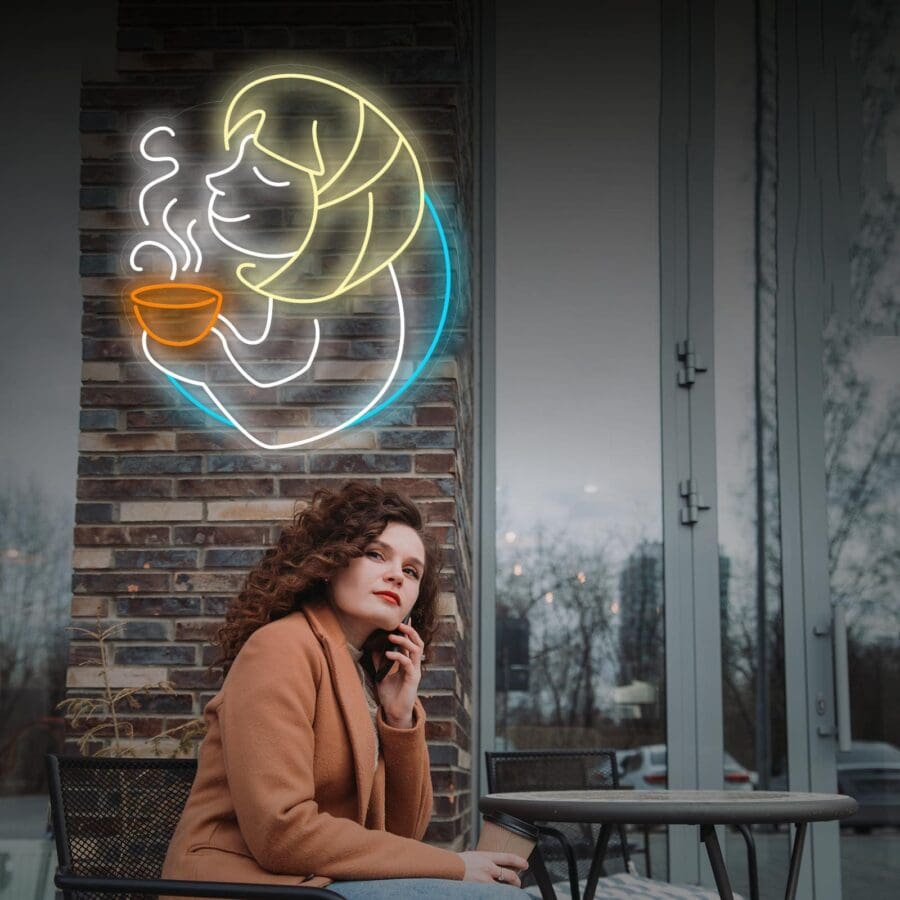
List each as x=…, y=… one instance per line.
x=561, y=770
x=114, y=817
x=551, y=770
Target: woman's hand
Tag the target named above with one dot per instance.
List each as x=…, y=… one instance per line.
x=397, y=691
x=493, y=865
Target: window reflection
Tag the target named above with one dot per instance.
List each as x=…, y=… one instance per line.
x=862, y=446
x=579, y=643
x=862, y=449
x=578, y=583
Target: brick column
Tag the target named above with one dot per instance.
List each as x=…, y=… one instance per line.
x=173, y=509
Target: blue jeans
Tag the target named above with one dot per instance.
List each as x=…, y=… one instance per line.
x=415, y=888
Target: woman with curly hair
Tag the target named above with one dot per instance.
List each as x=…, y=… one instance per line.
x=314, y=769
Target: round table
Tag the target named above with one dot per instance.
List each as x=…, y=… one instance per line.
x=704, y=808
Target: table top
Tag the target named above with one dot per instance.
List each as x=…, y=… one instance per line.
x=671, y=807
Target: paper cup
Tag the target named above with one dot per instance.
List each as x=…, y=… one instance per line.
x=505, y=833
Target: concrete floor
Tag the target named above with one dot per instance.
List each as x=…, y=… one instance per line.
x=24, y=816
x=870, y=864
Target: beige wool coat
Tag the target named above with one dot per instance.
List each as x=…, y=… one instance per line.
x=286, y=791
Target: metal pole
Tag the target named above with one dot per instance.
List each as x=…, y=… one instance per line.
x=796, y=856
x=763, y=741
x=714, y=852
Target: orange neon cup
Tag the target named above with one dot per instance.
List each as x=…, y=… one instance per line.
x=180, y=313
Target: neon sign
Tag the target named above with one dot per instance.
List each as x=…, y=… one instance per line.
x=349, y=188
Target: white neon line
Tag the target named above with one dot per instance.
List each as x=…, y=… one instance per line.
x=280, y=381
x=243, y=338
x=212, y=216
x=173, y=235
x=160, y=246
x=194, y=244
x=149, y=158
x=220, y=218
x=227, y=169
x=268, y=181
x=315, y=437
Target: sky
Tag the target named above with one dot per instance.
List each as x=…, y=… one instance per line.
x=577, y=276
x=578, y=395
x=44, y=45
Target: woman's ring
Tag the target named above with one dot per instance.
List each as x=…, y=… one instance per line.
x=502, y=873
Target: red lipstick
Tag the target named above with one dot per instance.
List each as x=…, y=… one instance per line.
x=390, y=595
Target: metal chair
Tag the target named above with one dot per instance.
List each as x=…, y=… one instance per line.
x=563, y=846
x=113, y=819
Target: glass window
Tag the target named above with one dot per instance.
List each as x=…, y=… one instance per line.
x=579, y=590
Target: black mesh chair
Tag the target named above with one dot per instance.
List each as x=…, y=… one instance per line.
x=567, y=849
x=113, y=820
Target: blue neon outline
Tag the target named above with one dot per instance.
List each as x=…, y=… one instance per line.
x=440, y=328
x=437, y=336
x=183, y=391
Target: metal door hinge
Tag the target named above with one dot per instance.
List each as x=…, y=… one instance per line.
x=691, y=364
x=694, y=503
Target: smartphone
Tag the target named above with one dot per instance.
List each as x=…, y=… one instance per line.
x=377, y=641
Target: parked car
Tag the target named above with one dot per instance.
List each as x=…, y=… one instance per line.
x=870, y=773
x=646, y=768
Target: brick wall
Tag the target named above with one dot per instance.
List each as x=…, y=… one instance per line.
x=173, y=509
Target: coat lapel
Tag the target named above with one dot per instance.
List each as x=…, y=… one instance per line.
x=351, y=699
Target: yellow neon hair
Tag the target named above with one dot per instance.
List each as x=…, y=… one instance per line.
x=238, y=118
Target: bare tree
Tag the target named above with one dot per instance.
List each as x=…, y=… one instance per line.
x=862, y=473
x=862, y=413
x=565, y=591
x=35, y=568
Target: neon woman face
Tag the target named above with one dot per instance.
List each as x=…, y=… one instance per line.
x=247, y=196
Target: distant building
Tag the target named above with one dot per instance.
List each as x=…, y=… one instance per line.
x=641, y=641
x=641, y=613
x=724, y=582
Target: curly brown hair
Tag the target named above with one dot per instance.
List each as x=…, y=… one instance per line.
x=334, y=528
